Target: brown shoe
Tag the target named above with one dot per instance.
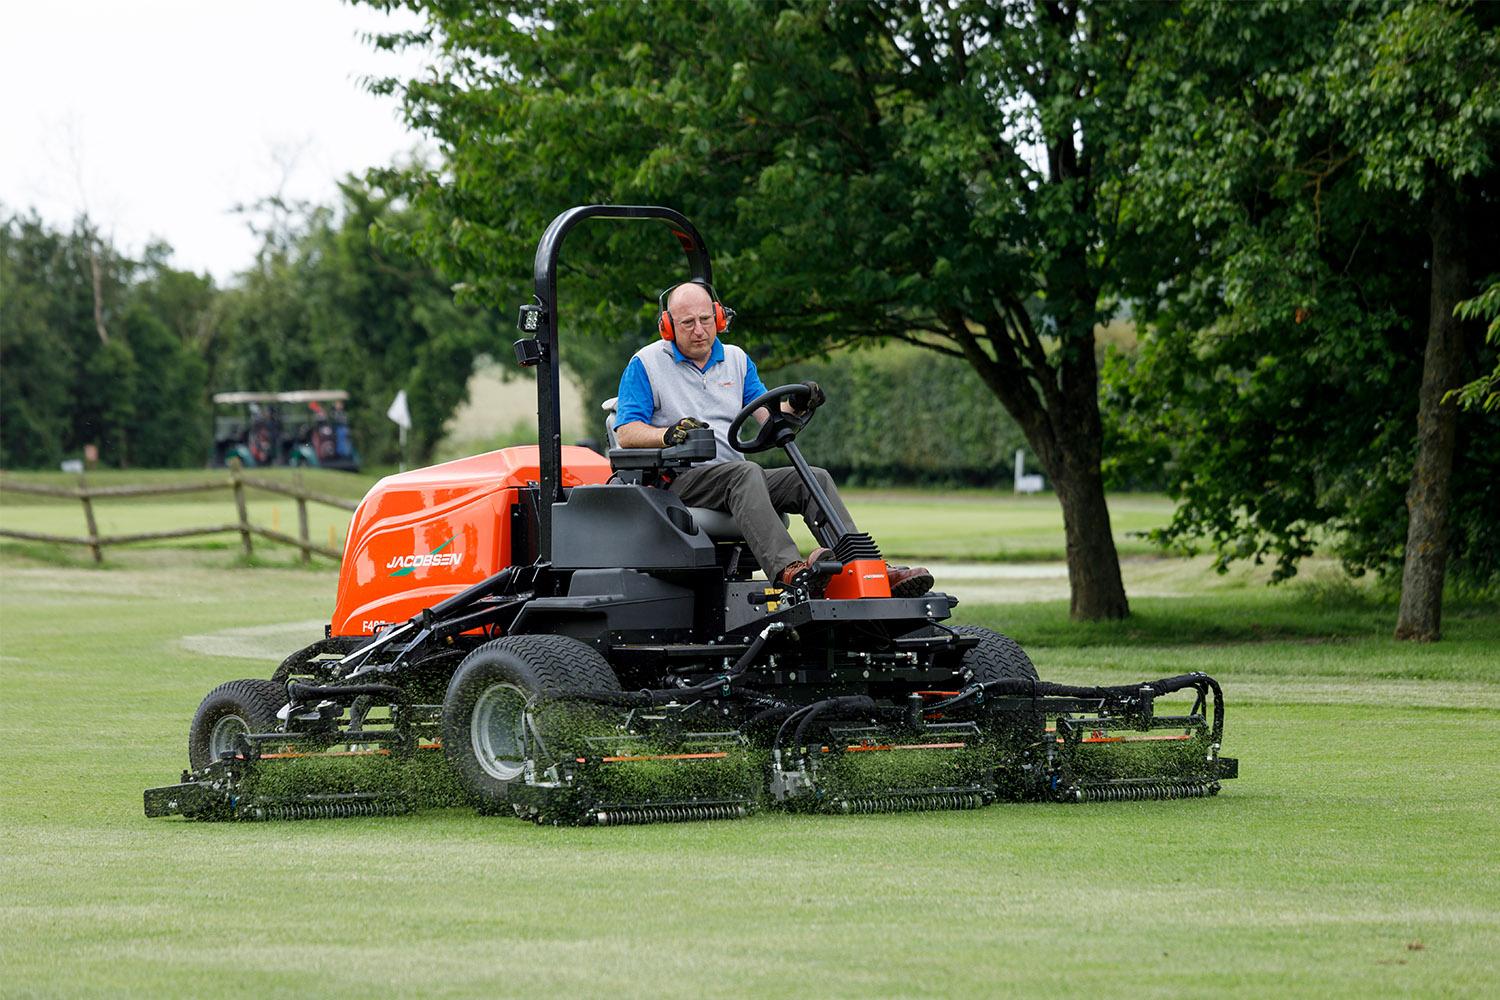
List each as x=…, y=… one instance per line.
x=909, y=581
x=793, y=568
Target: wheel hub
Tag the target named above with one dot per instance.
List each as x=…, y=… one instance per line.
x=497, y=730
x=226, y=732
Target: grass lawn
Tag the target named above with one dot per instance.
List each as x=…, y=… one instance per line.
x=973, y=525
x=986, y=525
x=1357, y=855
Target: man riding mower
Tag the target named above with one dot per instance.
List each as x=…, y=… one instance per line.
x=545, y=632
x=670, y=387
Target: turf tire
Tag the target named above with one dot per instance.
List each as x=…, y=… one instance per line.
x=545, y=665
x=254, y=702
x=997, y=657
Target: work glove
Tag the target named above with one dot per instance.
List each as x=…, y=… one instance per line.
x=815, y=397
x=678, y=432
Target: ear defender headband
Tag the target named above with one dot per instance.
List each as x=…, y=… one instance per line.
x=664, y=324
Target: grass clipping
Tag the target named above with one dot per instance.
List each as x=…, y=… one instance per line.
x=422, y=778
x=1164, y=759
x=873, y=772
x=621, y=760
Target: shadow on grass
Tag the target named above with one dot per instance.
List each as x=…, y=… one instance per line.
x=1311, y=611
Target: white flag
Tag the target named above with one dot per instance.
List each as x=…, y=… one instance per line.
x=399, y=412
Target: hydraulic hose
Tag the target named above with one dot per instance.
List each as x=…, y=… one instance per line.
x=299, y=691
x=842, y=705
x=769, y=714
x=1042, y=689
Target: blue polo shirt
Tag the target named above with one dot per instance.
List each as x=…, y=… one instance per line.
x=637, y=402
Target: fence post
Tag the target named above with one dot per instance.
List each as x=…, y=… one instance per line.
x=302, y=533
x=235, y=465
x=88, y=517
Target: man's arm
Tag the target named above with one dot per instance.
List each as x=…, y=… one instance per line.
x=633, y=410
x=639, y=434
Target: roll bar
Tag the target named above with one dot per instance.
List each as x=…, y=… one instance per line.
x=539, y=350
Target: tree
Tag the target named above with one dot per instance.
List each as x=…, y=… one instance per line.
x=1484, y=391
x=36, y=365
x=336, y=300
x=1303, y=146
x=939, y=173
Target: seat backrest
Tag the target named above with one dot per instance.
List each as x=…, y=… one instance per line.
x=609, y=422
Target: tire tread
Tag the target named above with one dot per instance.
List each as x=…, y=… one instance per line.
x=997, y=657
x=259, y=702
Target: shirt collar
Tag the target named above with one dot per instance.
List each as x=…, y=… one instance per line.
x=714, y=357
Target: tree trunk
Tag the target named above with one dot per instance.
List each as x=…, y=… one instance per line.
x=1068, y=440
x=96, y=270
x=1420, y=616
x=1097, y=591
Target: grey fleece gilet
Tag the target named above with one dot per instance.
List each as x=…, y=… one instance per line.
x=679, y=389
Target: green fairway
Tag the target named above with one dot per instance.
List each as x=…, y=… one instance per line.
x=1356, y=856
x=986, y=525
x=974, y=525
x=326, y=525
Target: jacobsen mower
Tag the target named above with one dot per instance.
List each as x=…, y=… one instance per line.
x=543, y=631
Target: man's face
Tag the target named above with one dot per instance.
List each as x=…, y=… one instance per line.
x=692, y=312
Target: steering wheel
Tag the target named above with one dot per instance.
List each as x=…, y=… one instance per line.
x=780, y=427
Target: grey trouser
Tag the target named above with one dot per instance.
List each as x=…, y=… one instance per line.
x=754, y=497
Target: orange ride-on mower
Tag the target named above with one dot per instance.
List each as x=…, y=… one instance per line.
x=544, y=632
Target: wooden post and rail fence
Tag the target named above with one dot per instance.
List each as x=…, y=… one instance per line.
x=237, y=483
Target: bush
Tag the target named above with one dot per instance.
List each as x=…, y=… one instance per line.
x=901, y=415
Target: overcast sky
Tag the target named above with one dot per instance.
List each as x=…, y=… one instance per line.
x=159, y=116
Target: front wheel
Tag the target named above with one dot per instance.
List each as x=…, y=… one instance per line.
x=488, y=723
x=230, y=711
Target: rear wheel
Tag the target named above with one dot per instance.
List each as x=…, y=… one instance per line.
x=997, y=657
x=488, y=728
x=230, y=711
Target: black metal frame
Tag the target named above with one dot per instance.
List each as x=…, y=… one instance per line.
x=540, y=319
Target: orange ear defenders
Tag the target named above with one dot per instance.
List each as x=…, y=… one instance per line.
x=664, y=326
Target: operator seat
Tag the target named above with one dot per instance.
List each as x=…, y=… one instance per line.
x=718, y=524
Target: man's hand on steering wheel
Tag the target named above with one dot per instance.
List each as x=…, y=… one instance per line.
x=678, y=432
x=814, y=399
x=779, y=424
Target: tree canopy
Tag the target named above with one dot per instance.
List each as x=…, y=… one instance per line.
x=96, y=348
x=942, y=174
x=1306, y=148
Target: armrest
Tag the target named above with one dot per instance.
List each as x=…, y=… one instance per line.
x=699, y=447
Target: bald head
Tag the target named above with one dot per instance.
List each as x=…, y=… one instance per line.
x=692, y=310
x=689, y=298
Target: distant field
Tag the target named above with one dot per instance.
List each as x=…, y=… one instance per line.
x=1355, y=857
x=987, y=525
x=971, y=525
x=350, y=486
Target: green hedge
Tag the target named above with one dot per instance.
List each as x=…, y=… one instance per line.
x=905, y=416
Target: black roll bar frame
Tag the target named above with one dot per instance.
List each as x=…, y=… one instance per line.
x=541, y=318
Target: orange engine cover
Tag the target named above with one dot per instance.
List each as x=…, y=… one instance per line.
x=423, y=536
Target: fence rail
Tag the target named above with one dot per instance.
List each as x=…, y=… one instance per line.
x=237, y=483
